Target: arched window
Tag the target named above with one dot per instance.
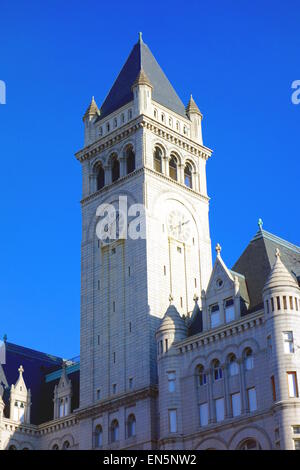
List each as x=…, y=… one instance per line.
x=217, y=370
x=173, y=168
x=201, y=375
x=233, y=366
x=115, y=168
x=162, y=118
x=25, y=448
x=131, y=426
x=12, y=447
x=100, y=177
x=98, y=436
x=114, y=431
x=115, y=122
x=177, y=126
x=55, y=447
x=188, y=175
x=157, y=160
x=249, y=444
x=248, y=359
x=66, y=445
x=61, y=408
x=155, y=113
x=130, y=160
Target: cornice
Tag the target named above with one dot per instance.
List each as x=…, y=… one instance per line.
x=146, y=170
x=217, y=334
x=159, y=129
x=111, y=404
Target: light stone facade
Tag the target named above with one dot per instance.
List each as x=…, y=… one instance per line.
x=140, y=299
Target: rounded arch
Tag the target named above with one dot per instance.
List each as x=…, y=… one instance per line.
x=212, y=443
x=232, y=364
x=199, y=359
x=99, y=172
x=173, y=166
x=26, y=446
x=188, y=174
x=69, y=438
x=98, y=436
x=250, y=432
x=248, y=343
x=129, y=155
x=158, y=158
x=200, y=375
x=11, y=444
x=114, y=164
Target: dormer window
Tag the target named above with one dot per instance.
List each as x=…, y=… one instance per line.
x=162, y=118
x=184, y=130
x=215, y=319
x=115, y=122
x=122, y=118
x=177, y=126
x=130, y=114
x=107, y=127
x=155, y=113
x=229, y=310
x=170, y=122
x=100, y=131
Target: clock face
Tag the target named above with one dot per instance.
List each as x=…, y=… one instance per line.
x=179, y=225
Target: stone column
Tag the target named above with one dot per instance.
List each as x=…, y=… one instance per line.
x=123, y=166
x=228, y=411
x=107, y=174
x=209, y=375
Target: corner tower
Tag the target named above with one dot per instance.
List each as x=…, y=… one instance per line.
x=141, y=147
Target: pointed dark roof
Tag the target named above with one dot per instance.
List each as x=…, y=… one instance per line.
x=121, y=93
x=259, y=257
x=192, y=107
x=92, y=109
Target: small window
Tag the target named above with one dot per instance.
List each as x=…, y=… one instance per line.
x=292, y=384
x=201, y=375
x=122, y=118
x=233, y=366
x=114, y=357
x=203, y=414
x=165, y=271
x=296, y=429
x=100, y=131
x=229, y=310
x=155, y=113
x=296, y=303
x=114, y=306
x=98, y=436
x=173, y=168
x=114, y=431
x=219, y=404
x=177, y=126
x=166, y=344
x=278, y=303
x=172, y=421
x=114, y=388
x=171, y=381
x=272, y=304
x=273, y=387
x=157, y=160
x=130, y=327
x=131, y=426
x=288, y=342
x=297, y=444
x=131, y=383
x=98, y=394
x=130, y=114
x=215, y=319
x=162, y=118
x=291, y=303
x=188, y=175
x=236, y=404
x=284, y=302
x=170, y=122
x=66, y=445
x=115, y=122
x=217, y=370
x=107, y=127
x=98, y=284
x=251, y=392
x=249, y=361
x=267, y=306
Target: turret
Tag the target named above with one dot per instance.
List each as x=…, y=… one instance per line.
x=62, y=395
x=195, y=116
x=89, y=118
x=172, y=329
x=281, y=296
x=20, y=400
x=142, y=94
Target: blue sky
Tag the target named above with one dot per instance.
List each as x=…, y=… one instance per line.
x=237, y=58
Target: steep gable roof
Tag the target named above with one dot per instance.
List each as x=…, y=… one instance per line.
x=256, y=262
x=141, y=58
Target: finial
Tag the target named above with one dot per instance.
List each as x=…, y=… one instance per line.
x=171, y=298
x=277, y=253
x=5, y=338
x=21, y=370
x=140, y=37
x=260, y=223
x=218, y=249
x=195, y=298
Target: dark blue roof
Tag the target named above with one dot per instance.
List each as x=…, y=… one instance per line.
x=36, y=365
x=121, y=94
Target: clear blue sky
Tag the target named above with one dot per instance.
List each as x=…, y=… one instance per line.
x=238, y=58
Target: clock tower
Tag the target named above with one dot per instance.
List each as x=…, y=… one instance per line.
x=144, y=182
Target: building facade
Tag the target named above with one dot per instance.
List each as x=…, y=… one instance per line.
x=175, y=353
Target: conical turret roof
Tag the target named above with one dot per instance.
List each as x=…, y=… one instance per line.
x=142, y=79
x=192, y=107
x=92, y=109
x=279, y=275
x=172, y=321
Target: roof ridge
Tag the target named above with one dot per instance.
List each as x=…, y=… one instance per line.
x=270, y=236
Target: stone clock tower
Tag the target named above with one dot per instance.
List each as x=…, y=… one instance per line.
x=144, y=147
